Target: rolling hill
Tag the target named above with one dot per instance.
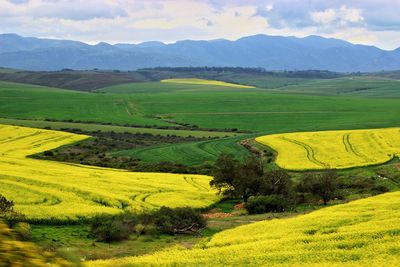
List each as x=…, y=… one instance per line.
x=360, y=233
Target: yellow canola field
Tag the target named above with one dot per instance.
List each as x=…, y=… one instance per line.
x=361, y=233
x=333, y=149
x=56, y=190
x=205, y=82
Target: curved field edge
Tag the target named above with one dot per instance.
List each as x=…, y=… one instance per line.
x=57, y=191
x=340, y=149
x=205, y=82
x=361, y=233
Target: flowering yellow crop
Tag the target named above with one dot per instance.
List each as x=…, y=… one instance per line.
x=205, y=82
x=361, y=233
x=334, y=149
x=46, y=189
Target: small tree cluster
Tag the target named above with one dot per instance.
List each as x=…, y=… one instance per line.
x=323, y=184
x=165, y=220
x=268, y=191
x=245, y=179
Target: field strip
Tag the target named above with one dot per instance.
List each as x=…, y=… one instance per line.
x=109, y=128
x=335, y=149
x=196, y=81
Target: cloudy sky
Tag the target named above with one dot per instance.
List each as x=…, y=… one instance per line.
x=375, y=22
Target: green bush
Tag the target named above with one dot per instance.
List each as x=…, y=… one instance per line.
x=108, y=228
x=178, y=221
x=112, y=228
x=263, y=204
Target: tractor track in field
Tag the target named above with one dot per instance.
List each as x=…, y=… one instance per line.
x=310, y=152
x=349, y=147
x=192, y=182
x=6, y=140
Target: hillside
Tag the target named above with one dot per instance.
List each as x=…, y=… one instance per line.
x=31, y=184
x=270, y=52
x=360, y=233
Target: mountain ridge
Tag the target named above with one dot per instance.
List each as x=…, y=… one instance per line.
x=266, y=51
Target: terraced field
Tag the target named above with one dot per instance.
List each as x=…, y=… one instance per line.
x=334, y=149
x=205, y=82
x=46, y=190
x=361, y=233
x=191, y=154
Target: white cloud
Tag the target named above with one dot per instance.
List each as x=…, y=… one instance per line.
x=366, y=21
x=337, y=17
x=324, y=17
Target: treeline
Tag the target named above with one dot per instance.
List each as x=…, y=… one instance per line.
x=275, y=190
x=178, y=126
x=306, y=74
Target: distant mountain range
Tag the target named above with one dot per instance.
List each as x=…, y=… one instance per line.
x=269, y=52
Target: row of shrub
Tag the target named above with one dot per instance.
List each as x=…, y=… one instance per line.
x=276, y=191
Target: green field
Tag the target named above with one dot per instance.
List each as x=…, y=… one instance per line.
x=260, y=111
x=357, y=86
x=190, y=154
x=21, y=101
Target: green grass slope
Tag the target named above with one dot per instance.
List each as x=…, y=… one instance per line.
x=35, y=102
x=358, y=86
x=256, y=110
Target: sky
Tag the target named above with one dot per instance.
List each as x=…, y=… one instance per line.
x=371, y=22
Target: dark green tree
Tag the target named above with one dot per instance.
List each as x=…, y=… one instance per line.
x=276, y=182
x=323, y=184
x=225, y=172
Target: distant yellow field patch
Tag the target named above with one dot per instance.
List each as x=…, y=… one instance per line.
x=46, y=189
x=333, y=149
x=205, y=82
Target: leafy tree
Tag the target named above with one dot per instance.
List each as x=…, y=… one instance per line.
x=245, y=179
x=249, y=177
x=237, y=179
x=270, y=203
x=225, y=173
x=323, y=184
x=276, y=182
x=178, y=220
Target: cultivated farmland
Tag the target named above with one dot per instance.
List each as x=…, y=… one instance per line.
x=360, y=233
x=205, y=82
x=45, y=190
x=334, y=149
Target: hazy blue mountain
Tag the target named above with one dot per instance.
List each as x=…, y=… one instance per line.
x=270, y=52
